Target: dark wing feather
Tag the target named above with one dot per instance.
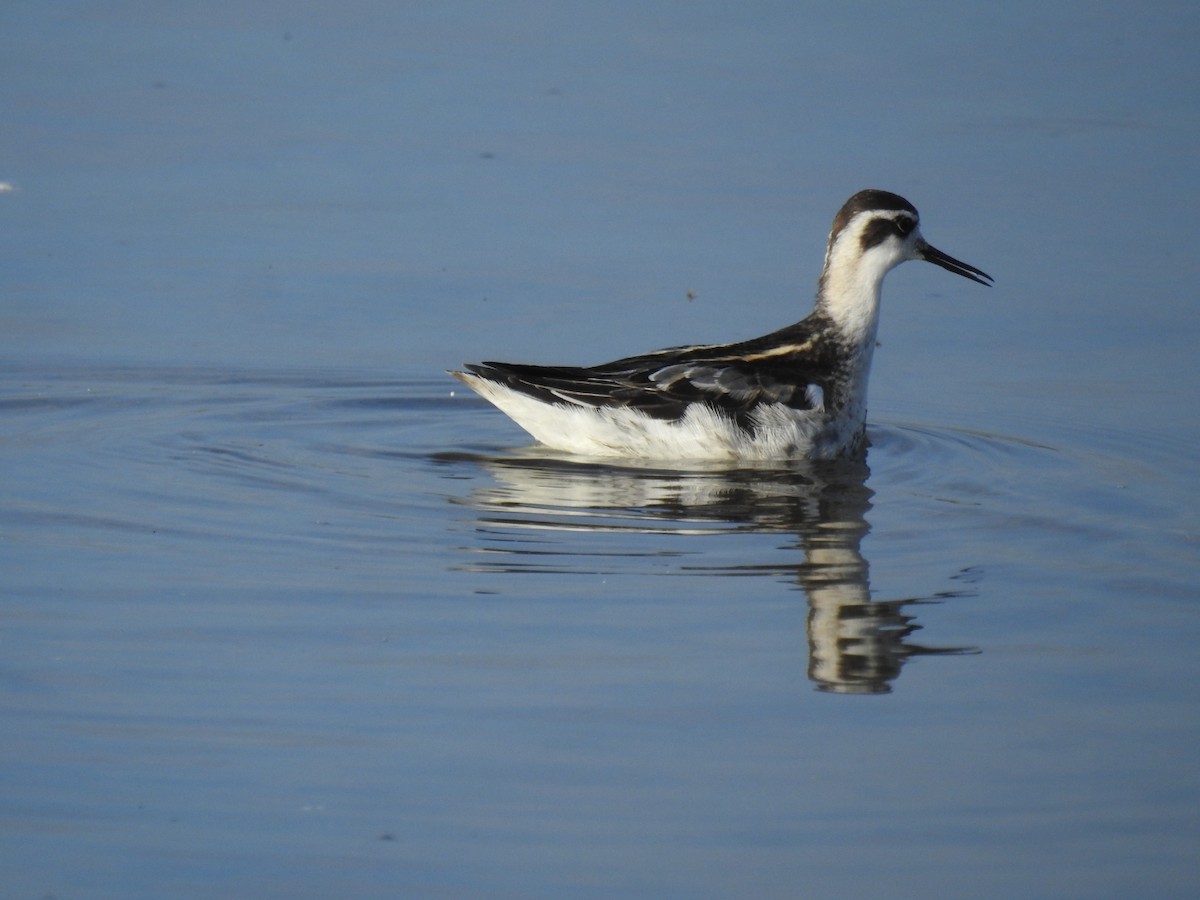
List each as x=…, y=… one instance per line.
x=734, y=378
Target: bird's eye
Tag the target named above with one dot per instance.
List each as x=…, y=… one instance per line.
x=905, y=225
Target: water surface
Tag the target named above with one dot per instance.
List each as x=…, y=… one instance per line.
x=265, y=631
x=286, y=613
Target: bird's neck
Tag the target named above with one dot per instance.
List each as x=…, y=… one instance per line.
x=848, y=296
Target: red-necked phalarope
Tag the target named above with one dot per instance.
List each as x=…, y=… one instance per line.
x=797, y=392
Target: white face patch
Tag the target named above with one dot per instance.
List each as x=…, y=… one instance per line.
x=868, y=247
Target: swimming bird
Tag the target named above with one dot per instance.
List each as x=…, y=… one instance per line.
x=799, y=392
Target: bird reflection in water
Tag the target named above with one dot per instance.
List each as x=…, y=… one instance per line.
x=856, y=645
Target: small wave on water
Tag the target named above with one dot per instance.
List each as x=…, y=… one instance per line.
x=270, y=469
x=225, y=457
x=1074, y=481
x=935, y=505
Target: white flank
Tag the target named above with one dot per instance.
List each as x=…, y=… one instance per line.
x=702, y=434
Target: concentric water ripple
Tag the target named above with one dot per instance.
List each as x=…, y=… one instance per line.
x=164, y=469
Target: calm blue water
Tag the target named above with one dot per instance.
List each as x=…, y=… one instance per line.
x=285, y=613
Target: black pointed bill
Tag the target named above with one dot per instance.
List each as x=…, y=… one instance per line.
x=958, y=267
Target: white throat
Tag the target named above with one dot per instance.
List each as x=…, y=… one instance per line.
x=851, y=285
